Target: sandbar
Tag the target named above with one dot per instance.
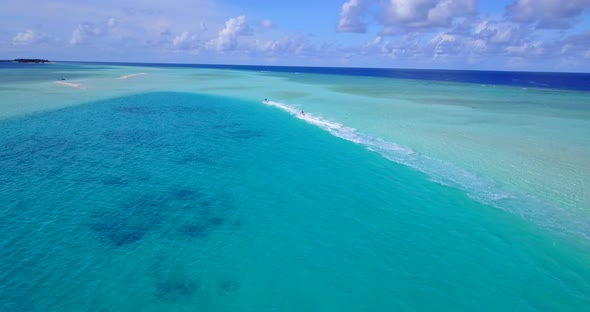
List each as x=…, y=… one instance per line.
x=131, y=76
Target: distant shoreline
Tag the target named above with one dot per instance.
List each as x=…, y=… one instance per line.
x=35, y=61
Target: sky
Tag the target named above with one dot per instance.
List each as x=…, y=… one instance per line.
x=529, y=35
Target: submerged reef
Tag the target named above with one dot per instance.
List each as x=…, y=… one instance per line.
x=131, y=222
x=228, y=285
x=185, y=194
x=174, y=288
x=177, y=213
x=197, y=229
x=119, y=233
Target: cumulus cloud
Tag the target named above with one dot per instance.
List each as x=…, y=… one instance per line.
x=478, y=45
x=158, y=27
x=468, y=42
x=186, y=41
x=293, y=45
x=351, y=16
x=488, y=37
x=112, y=22
x=84, y=31
x=517, y=62
x=227, y=39
x=573, y=46
x=557, y=14
x=425, y=14
x=397, y=16
x=445, y=45
x=526, y=49
x=267, y=23
x=407, y=47
x=496, y=35
x=25, y=37
x=374, y=44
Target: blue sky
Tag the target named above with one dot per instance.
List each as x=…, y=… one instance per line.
x=537, y=35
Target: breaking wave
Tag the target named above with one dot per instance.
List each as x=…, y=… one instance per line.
x=477, y=187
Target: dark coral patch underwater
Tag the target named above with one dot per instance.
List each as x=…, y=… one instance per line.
x=180, y=212
x=130, y=222
x=175, y=289
x=119, y=233
x=228, y=285
x=185, y=194
x=196, y=229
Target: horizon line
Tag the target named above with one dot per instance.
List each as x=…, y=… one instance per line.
x=313, y=66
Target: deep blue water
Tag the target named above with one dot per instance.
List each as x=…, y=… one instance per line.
x=545, y=80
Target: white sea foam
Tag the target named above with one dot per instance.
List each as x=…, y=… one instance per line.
x=131, y=76
x=69, y=84
x=477, y=187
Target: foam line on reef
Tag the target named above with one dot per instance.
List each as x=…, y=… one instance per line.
x=130, y=76
x=477, y=187
x=69, y=84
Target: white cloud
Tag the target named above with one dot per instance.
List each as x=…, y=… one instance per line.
x=292, y=45
x=85, y=31
x=526, y=49
x=351, y=16
x=478, y=45
x=158, y=26
x=186, y=41
x=498, y=34
x=25, y=37
x=112, y=22
x=575, y=46
x=408, y=47
x=227, y=39
x=517, y=62
x=402, y=16
x=267, y=23
x=295, y=46
x=444, y=45
x=425, y=14
x=413, y=32
x=565, y=48
x=372, y=45
x=548, y=13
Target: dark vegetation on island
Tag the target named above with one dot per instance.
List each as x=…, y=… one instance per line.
x=36, y=61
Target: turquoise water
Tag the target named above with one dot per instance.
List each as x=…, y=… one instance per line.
x=180, y=201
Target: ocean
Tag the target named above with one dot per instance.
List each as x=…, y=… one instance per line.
x=171, y=187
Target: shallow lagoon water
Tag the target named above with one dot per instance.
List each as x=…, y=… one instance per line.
x=175, y=201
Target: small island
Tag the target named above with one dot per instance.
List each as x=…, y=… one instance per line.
x=36, y=61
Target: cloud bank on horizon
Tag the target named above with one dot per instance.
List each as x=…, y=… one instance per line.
x=551, y=35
